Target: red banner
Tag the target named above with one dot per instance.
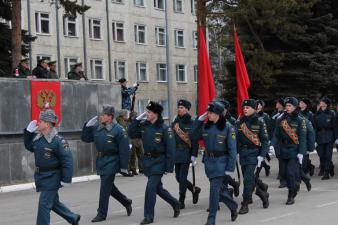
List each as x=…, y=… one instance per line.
x=45, y=95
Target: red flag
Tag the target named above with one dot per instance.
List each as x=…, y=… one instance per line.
x=242, y=78
x=206, y=86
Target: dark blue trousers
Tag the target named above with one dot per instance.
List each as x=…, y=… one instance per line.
x=325, y=155
x=217, y=193
x=49, y=200
x=181, y=174
x=107, y=189
x=291, y=168
x=248, y=172
x=155, y=186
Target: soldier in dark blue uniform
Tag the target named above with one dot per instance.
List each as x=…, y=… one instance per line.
x=290, y=137
x=54, y=166
x=159, y=157
x=325, y=124
x=252, y=145
x=220, y=156
x=126, y=93
x=186, y=151
x=227, y=113
x=112, y=145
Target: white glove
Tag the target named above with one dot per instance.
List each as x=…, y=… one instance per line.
x=135, y=85
x=260, y=160
x=193, y=160
x=228, y=173
x=300, y=158
x=203, y=116
x=65, y=184
x=32, y=126
x=142, y=116
x=92, y=122
x=316, y=145
x=336, y=141
x=272, y=150
x=130, y=146
x=124, y=171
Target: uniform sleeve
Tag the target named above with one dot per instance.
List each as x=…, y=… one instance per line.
x=276, y=134
x=302, y=137
x=28, y=140
x=269, y=126
x=87, y=134
x=335, y=125
x=169, y=141
x=310, y=137
x=129, y=91
x=196, y=131
x=66, y=160
x=231, y=146
x=134, y=129
x=264, y=138
x=123, y=145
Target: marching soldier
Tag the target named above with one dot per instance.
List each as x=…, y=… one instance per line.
x=252, y=145
x=112, y=146
x=159, y=149
x=219, y=158
x=185, y=151
x=290, y=137
x=326, y=133
x=54, y=166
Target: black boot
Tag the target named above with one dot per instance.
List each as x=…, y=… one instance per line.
x=264, y=196
x=332, y=171
x=234, y=215
x=291, y=199
x=176, y=208
x=321, y=172
x=326, y=176
x=311, y=169
x=308, y=185
x=77, y=220
x=134, y=172
x=195, y=195
x=146, y=221
x=181, y=200
x=235, y=185
x=129, y=208
x=262, y=186
x=244, y=208
x=98, y=218
x=267, y=170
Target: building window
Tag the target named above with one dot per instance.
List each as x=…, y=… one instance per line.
x=178, y=6
x=39, y=57
x=141, y=105
x=160, y=36
x=120, y=69
x=139, y=3
x=179, y=38
x=118, y=31
x=42, y=23
x=159, y=4
x=117, y=1
x=140, y=34
x=95, y=29
x=195, y=73
x=165, y=113
x=69, y=62
x=194, y=39
x=180, y=73
x=161, y=71
x=141, y=70
x=193, y=7
x=69, y=26
x=97, y=69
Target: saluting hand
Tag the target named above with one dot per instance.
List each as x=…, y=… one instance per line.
x=32, y=126
x=92, y=122
x=203, y=116
x=142, y=116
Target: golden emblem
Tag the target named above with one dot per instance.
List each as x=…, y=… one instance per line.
x=46, y=99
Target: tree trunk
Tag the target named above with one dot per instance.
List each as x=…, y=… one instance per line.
x=16, y=33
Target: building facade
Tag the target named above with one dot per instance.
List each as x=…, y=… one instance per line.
x=122, y=38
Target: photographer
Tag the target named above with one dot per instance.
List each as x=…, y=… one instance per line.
x=126, y=93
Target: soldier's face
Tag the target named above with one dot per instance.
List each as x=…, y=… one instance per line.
x=259, y=107
x=289, y=108
x=248, y=111
x=105, y=119
x=151, y=116
x=43, y=126
x=213, y=117
x=181, y=110
x=302, y=105
x=279, y=106
x=322, y=105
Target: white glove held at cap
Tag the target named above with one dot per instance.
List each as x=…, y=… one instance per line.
x=203, y=116
x=300, y=158
x=260, y=160
x=193, y=160
x=142, y=116
x=32, y=126
x=65, y=184
x=92, y=122
x=135, y=85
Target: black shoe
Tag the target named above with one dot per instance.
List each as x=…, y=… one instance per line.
x=129, y=208
x=332, y=171
x=234, y=215
x=311, y=169
x=134, y=172
x=181, y=200
x=76, y=222
x=267, y=170
x=177, y=209
x=282, y=185
x=140, y=171
x=326, y=176
x=182, y=205
x=264, y=196
x=236, y=188
x=321, y=172
x=244, y=208
x=98, y=218
x=291, y=199
x=195, y=195
x=146, y=221
x=262, y=186
x=308, y=185
x=127, y=174
x=218, y=208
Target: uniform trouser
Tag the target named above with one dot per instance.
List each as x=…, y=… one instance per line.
x=136, y=152
x=181, y=174
x=281, y=171
x=248, y=172
x=155, y=186
x=325, y=155
x=49, y=200
x=301, y=175
x=217, y=193
x=291, y=167
x=108, y=188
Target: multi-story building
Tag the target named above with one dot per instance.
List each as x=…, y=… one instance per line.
x=122, y=38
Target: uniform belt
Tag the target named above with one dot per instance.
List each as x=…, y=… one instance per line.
x=47, y=169
x=248, y=147
x=103, y=154
x=180, y=146
x=153, y=154
x=323, y=129
x=215, y=154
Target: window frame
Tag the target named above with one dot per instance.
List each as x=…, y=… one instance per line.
x=138, y=69
x=178, y=75
x=157, y=33
x=158, y=69
x=92, y=68
x=38, y=23
x=140, y=6
x=69, y=66
x=114, y=31
x=66, y=28
x=175, y=6
x=176, y=33
x=156, y=4
x=91, y=29
x=137, y=30
x=116, y=69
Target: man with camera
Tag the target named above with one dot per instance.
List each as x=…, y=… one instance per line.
x=126, y=93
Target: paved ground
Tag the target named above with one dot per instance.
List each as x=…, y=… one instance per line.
x=320, y=206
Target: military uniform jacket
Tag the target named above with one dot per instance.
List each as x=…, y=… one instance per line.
x=50, y=152
x=41, y=72
x=183, y=150
x=23, y=73
x=267, y=121
x=307, y=114
x=216, y=140
x=230, y=119
x=126, y=92
x=248, y=151
x=325, y=124
x=108, y=139
x=285, y=148
x=157, y=139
